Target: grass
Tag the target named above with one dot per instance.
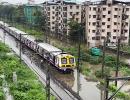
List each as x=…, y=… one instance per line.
x=27, y=86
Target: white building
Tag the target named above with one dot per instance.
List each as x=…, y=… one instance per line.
x=60, y=13
x=106, y=20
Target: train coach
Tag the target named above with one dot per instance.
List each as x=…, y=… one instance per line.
x=55, y=56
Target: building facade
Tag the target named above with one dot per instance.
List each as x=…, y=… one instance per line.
x=30, y=12
x=59, y=15
x=108, y=20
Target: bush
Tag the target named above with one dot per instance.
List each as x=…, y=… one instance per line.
x=85, y=70
x=4, y=48
x=110, y=61
x=2, y=95
x=120, y=94
x=94, y=60
x=105, y=74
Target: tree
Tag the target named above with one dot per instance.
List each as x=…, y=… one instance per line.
x=76, y=31
x=19, y=15
x=40, y=20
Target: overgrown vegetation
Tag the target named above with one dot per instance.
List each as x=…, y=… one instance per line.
x=26, y=86
x=76, y=31
x=121, y=95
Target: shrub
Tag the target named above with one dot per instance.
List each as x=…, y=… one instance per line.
x=110, y=61
x=2, y=95
x=120, y=94
x=94, y=60
x=99, y=73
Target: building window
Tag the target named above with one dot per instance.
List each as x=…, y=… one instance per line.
x=65, y=14
x=109, y=12
x=53, y=17
x=48, y=13
x=77, y=7
x=109, y=5
x=126, y=23
x=70, y=7
x=108, y=19
x=125, y=31
x=98, y=38
x=115, y=23
x=48, y=8
x=104, y=16
x=104, y=9
x=77, y=13
x=116, y=9
x=108, y=26
x=89, y=23
x=53, y=27
x=93, y=38
x=103, y=37
x=89, y=16
x=94, y=8
x=71, y=13
x=108, y=33
x=53, y=7
x=53, y=22
x=94, y=23
x=103, y=30
x=53, y=12
x=114, y=37
x=94, y=16
x=127, y=9
x=114, y=30
x=89, y=8
x=103, y=23
x=77, y=19
x=115, y=16
x=93, y=31
x=65, y=8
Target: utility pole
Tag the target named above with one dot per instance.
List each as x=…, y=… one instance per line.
x=20, y=48
x=117, y=62
x=48, y=81
x=106, y=89
x=103, y=58
x=78, y=63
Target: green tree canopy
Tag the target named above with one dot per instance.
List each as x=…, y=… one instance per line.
x=76, y=31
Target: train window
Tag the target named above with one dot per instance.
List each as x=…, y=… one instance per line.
x=71, y=60
x=63, y=60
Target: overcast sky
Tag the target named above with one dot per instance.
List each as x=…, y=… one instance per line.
x=40, y=1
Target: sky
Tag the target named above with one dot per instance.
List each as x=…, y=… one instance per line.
x=41, y=1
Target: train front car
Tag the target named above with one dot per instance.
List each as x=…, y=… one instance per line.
x=66, y=62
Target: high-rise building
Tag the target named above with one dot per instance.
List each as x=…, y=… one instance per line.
x=106, y=19
x=59, y=14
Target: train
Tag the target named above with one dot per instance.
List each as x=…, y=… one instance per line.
x=61, y=60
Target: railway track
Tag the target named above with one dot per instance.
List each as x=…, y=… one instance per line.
x=70, y=94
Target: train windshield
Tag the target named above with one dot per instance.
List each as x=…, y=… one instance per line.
x=63, y=60
x=71, y=60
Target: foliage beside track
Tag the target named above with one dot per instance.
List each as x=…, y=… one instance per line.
x=120, y=95
x=27, y=86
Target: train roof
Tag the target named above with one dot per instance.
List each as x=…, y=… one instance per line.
x=53, y=50
x=31, y=38
x=5, y=24
x=1, y=22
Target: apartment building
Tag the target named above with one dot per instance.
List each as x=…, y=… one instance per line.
x=106, y=19
x=59, y=14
